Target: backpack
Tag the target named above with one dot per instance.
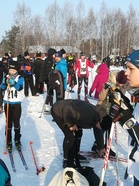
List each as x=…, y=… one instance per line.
x=56, y=82
x=5, y=178
x=69, y=177
x=91, y=176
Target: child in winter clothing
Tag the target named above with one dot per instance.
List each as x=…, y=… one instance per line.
x=13, y=86
x=127, y=119
x=100, y=79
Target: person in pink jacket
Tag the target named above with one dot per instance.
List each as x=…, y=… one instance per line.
x=82, y=65
x=100, y=79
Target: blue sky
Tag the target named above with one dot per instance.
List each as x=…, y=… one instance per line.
x=7, y=7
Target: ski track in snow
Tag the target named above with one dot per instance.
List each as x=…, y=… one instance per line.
x=47, y=141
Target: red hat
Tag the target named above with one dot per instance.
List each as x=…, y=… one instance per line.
x=121, y=77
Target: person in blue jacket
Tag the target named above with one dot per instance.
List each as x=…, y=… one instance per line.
x=12, y=84
x=61, y=66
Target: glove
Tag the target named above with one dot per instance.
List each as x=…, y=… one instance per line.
x=11, y=82
x=120, y=112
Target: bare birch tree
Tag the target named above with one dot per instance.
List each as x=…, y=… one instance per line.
x=22, y=17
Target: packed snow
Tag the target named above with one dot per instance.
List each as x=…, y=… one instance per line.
x=47, y=139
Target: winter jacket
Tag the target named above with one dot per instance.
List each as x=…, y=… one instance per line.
x=47, y=66
x=61, y=66
x=37, y=66
x=77, y=112
x=78, y=66
x=133, y=163
x=16, y=92
x=3, y=70
x=100, y=79
x=26, y=68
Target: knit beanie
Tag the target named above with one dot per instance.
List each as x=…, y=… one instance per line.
x=58, y=54
x=6, y=54
x=82, y=53
x=134, y=58
x=121, y=77
x=63, y=51
x=14, y=65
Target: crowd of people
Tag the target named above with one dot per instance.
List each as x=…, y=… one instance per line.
x=58, y=70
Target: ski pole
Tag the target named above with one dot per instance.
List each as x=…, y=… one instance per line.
x=119, y=182
x=42, y=110
x=108, y=150
x=44, y=103
x=106, y=155
x=7, y=112
x=37, y=170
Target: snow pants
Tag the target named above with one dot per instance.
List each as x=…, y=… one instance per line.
x=14, y=114
x=71, y=142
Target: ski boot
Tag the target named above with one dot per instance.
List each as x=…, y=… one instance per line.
x=100, y=153
x=9, y=146
x=18, y=145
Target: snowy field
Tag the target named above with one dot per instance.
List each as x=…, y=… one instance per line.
x=47, y=141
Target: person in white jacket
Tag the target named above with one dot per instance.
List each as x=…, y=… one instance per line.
x=130, y=120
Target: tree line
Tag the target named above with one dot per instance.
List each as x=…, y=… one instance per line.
x=109, y=31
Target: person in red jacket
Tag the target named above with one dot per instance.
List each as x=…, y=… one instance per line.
x=100, y=79
x=82, y=65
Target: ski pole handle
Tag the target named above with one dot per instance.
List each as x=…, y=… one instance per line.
x=40, y=170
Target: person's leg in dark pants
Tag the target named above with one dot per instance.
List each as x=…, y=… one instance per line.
x=16, y=120
x=26, y=84
x=69, y=142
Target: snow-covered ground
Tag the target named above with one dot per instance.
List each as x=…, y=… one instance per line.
x=47, y=141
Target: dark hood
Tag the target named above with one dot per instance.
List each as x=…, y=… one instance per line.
x=51, y=51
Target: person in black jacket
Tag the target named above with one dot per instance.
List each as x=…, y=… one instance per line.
x=3, y=70
x=46, y=68
x=37, y=70
x=27, y=73
x=72, y=116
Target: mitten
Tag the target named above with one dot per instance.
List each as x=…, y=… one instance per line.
x=11, y=82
